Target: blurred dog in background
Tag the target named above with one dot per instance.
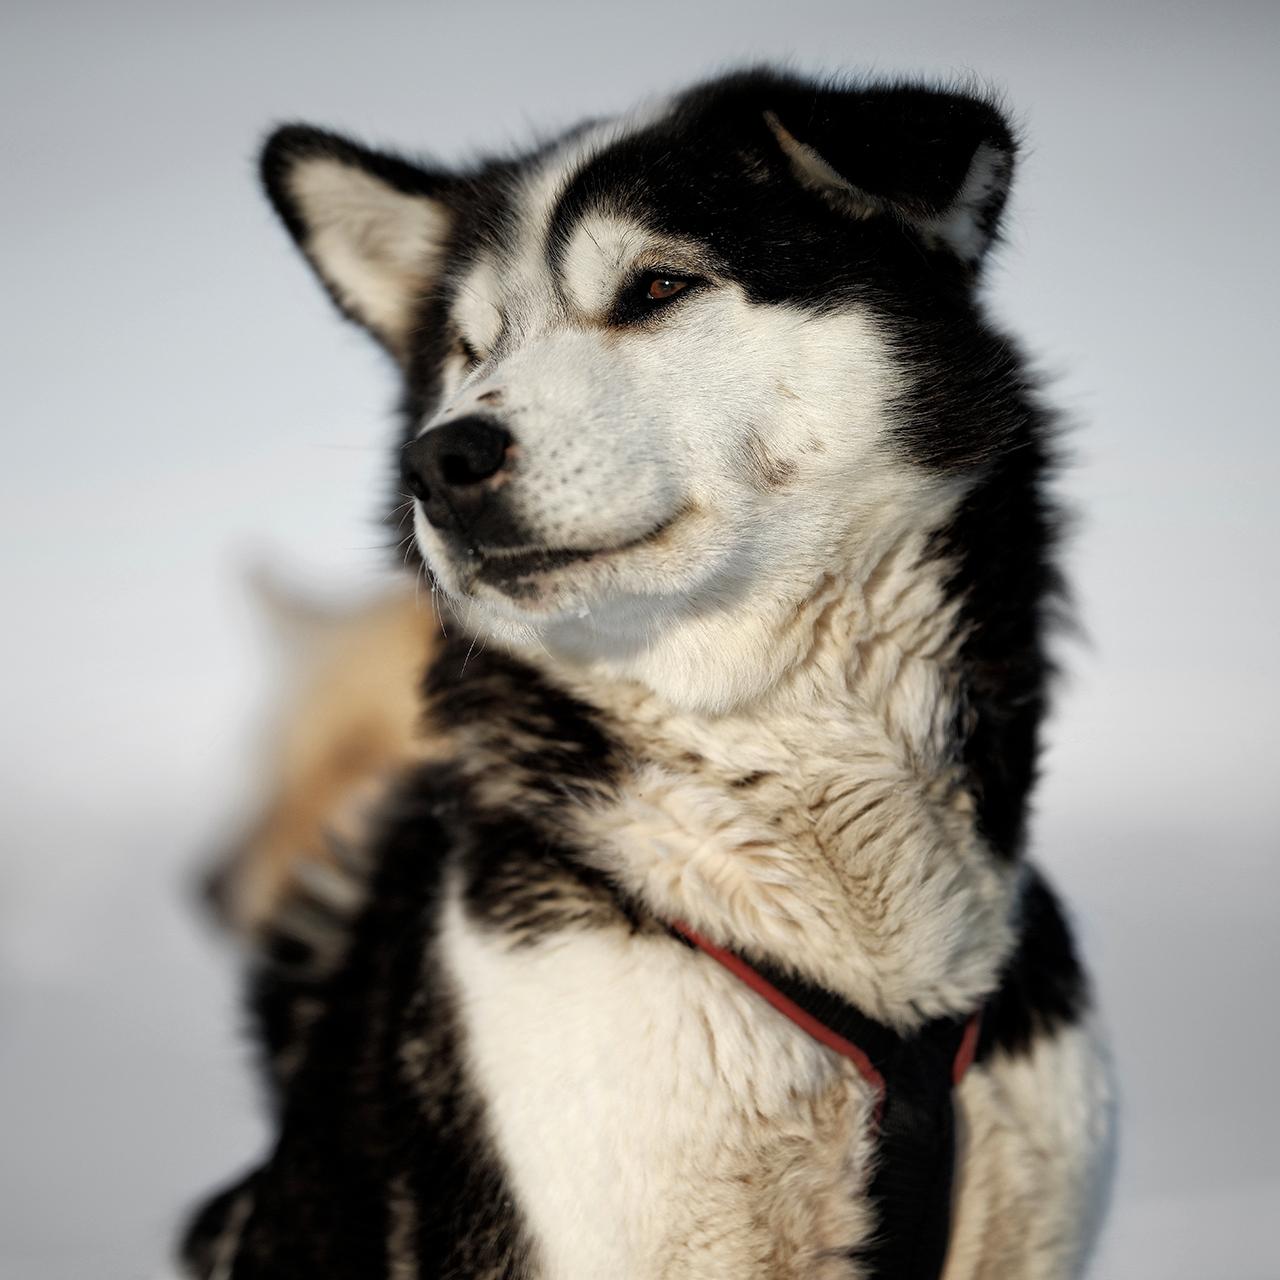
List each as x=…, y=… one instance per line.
x=349, y=719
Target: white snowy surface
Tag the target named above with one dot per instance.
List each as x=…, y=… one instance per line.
x=177, y=396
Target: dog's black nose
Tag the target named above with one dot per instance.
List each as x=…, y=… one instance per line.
x=445, y=469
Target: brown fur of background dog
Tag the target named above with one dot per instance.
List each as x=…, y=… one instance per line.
x=348, y=720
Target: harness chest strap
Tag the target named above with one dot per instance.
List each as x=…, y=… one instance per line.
x=913, y=1079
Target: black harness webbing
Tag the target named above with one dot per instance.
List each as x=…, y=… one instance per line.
x=914, y=1077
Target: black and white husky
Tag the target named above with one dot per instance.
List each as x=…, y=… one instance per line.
x=669, y=948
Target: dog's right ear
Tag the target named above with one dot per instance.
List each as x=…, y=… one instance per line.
x=373, y=226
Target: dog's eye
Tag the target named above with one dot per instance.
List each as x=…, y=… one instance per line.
x=660, y=288
x=648, y=293
x=468, y=353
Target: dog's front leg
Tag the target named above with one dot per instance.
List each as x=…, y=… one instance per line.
x=1038, y=1126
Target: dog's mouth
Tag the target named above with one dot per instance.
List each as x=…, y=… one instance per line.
x=512, y=571
x=504, y=568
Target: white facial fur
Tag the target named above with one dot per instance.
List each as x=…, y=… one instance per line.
x=720, y=458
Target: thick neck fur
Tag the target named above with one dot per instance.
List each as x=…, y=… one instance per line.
x=826, y=824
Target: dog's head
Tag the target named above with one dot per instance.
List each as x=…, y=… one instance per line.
x=667, y=372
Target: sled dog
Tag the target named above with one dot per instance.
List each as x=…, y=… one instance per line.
x=697, y=938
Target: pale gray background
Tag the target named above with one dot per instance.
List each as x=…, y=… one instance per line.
x=177, y=394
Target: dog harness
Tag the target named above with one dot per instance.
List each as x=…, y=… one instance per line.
x=914, y=1079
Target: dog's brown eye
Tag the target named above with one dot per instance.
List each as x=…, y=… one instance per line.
x=648, y=292
x=663, y=287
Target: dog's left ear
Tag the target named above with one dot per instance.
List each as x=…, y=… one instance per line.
x=373, y=226
x=939, y=162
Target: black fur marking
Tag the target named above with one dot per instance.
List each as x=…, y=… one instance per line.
x=522, y=874
x=527, y=887
x=714, y=170
x=1000, y=546
x=377, y=1102
x=557, y=747
x=1043, y=988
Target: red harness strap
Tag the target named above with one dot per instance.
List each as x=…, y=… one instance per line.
x=819, y=1030
x=787, y=1007
x=968, y=1049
